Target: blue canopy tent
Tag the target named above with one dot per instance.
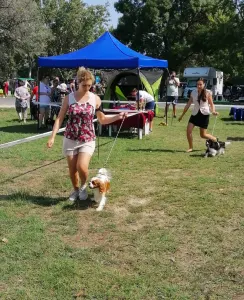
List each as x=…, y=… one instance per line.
x=105, y=53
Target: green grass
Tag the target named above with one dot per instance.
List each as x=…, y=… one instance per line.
x=172, y=228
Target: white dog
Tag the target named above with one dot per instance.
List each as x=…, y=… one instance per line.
x=100, y=184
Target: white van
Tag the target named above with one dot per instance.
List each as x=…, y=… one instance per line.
x=213, y=78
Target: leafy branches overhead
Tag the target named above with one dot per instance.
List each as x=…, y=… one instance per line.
x=29, y=30
x=182, y=31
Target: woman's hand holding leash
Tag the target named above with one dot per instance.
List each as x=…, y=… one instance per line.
x=122, y=115
x=215, y=113
x=50, y=142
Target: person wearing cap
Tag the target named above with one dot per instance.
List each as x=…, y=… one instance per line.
x=21, y=95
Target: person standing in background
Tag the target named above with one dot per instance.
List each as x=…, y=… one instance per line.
x=45, y=94
x=5, y=88
x=172, y=92
x=21, y=103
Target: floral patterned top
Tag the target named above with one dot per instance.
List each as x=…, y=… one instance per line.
x=80, y=126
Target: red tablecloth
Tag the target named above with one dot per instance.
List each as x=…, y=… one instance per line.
x=137, y=121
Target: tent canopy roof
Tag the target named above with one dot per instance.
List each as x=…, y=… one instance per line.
x=105, y=53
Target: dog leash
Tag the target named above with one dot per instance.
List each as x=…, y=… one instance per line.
x=114, y=142
x=214, y=124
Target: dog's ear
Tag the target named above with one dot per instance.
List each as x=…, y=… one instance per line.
x=102, y=187
x=107, y=186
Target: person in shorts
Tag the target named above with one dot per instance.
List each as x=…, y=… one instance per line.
x=202, y=99
x=45, y=94
x=79, y=135
x=148, y=100
x=172, y=92
x=22, y=96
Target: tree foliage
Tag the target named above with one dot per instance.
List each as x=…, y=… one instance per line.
x=29, y=29
x=197, y=32
x=23, y=35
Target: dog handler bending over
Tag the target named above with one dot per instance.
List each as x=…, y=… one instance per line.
x=79, y=135
x=202, y=99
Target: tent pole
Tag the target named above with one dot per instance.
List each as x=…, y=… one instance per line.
x=98, y=139
x=138, y=99
x=38, y=106
x=167, y=99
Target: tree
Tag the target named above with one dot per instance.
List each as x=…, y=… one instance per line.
x=183, y=32
x=73, y=24
x=23, y=35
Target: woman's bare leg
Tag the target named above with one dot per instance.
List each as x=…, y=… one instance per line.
x=189, y=129
x=73, y=173
x=207, y=136
x=82, y=166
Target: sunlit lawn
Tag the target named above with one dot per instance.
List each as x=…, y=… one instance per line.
x=172, y=228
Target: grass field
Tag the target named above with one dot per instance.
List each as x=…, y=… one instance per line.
x=172, y=228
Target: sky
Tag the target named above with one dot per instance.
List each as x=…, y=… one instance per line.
x=113, y=14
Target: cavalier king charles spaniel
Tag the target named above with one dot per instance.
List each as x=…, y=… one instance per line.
x=101, y=185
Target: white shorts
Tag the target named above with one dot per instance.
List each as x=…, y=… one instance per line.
x=71, y=147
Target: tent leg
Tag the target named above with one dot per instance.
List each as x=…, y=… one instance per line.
x=98, y=139
x=38, y=106
x=138, y=88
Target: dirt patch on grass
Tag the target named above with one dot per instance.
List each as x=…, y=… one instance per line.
x=238, y=297
x=136, y=201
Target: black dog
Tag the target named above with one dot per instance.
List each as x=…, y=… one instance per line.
x=215, y=148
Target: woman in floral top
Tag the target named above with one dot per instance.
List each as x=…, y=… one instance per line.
x=79, y=136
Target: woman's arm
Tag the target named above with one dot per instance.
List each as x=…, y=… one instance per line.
x=103, y=119
x=16, y=95
x=189, y=103
x=58, y=122
x=211, y=104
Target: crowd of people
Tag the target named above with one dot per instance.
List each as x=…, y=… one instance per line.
x=44, y=104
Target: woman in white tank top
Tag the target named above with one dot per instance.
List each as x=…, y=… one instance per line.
x=202, y=100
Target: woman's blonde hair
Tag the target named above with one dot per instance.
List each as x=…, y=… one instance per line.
x=83, y=75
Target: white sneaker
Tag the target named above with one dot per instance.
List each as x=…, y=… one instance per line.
x=74, y=195
x=83, y=193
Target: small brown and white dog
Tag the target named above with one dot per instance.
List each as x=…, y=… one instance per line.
x=101, y=185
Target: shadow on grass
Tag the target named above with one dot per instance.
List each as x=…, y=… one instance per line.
x=81, y=205
x=30, y=171
x=159, y=150
x=39, y=200
x=235, y=139
x=198, y=155
x=235, y=123
x=20, y=128
x=226, y=119
x=48, y=201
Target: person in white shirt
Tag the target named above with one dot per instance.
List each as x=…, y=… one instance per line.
x=45, y=96
x=202, y=99
x=172, y=92
x=22, y=96
x=148, y=100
